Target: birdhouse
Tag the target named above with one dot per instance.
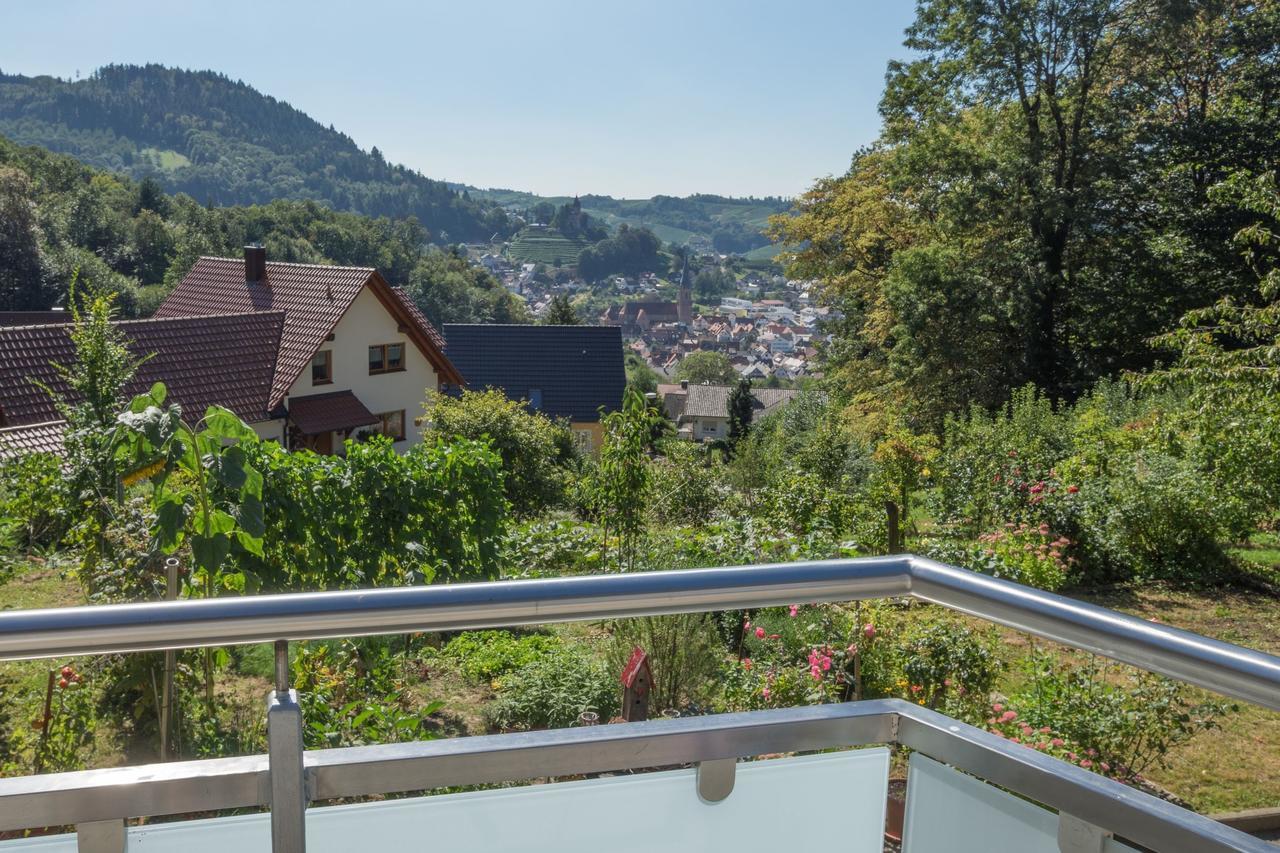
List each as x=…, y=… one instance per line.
x=637, y=682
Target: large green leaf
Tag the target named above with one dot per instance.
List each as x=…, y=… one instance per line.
x=229, y=467
x=223, y=424
x=210, y=551
x=171, y=519
x=251, y=521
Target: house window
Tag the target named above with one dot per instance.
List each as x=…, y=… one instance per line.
x=322, y=367
x=709, y=427
x=386, y=358
x=535, y=398
x=392, y=425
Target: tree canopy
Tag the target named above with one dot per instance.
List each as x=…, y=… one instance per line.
x=1039, y=203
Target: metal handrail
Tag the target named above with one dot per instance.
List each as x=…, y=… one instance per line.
x=287, y=779
x=101, y=795
x=1221, y=667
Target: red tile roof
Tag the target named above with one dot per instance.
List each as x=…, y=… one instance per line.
x=33, y=438
x=416, y=313
x=314, y=298
x=34, y=318
x=227, y=360
x=336, y=410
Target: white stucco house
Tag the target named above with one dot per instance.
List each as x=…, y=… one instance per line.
x=307, y=354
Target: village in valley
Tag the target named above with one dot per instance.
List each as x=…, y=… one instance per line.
x=768, y=327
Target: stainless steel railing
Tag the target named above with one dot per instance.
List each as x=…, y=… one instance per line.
x=287, y=779
x=1221, y=667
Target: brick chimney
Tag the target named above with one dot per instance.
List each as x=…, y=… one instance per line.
x=255, y=264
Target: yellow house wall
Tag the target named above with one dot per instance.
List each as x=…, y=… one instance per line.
x=596, y=430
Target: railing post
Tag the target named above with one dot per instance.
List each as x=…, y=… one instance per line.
x=284, y=749
x=170, y=667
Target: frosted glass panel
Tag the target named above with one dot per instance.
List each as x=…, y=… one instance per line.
x=952, y=812
x=769, y=808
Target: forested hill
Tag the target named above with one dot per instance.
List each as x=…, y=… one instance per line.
x=224, y=143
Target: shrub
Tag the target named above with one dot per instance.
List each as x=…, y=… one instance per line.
x=1155, y=517
x=482, y=655
x=436, y=513
x=1106, y=718
x=536, y=451
x=686, y=484
x=553, y=690
x=31, y=500
x=948, y=665
x=1030, y=555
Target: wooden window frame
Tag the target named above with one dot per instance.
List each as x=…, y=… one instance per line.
x=382, y=425
x=328, y=380
x=385, y=348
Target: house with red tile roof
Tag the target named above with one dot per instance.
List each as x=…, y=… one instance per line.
x=307, y=354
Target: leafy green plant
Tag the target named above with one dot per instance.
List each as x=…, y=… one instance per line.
x=949, y=666
x=374, y=516
x=31, y=500
x=353, y=693
x=1026, y=554
x=687, y=484
x=551, y=548
x=537, y=452
x=205, y=493
x=64, y=729
x=621, y=479
x=484, y=655
x=553, y=690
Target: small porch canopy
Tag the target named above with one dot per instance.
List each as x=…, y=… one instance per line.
x=337, y=411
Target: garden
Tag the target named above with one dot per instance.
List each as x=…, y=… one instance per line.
x=1118, y=498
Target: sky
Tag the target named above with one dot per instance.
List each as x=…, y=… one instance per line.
x=557, y=97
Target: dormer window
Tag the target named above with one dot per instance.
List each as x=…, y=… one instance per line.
x=322, y=367
x=386, y=358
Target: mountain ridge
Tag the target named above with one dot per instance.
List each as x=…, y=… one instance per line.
x=223, y=142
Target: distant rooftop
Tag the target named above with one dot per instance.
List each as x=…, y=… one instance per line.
x=575, y=370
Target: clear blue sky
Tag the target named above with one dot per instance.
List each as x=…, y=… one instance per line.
x=736, y=97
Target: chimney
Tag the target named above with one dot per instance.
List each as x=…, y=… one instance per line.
x=684, y=384
x=255, y=264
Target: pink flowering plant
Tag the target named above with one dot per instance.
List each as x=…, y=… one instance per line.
x=804, y=655
x=1104, y=717
x=1029, y=554
x=948, y=666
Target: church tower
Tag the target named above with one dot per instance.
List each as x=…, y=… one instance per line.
x=684, y=306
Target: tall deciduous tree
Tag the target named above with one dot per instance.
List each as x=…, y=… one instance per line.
x=1051, y=62
x=22, y=273
x=706, y=366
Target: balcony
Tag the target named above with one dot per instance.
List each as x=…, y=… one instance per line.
x=819, y=780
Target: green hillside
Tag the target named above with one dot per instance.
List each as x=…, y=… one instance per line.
x=704, y=221
x=62, y=221
x=545, y=246
x=223, y=142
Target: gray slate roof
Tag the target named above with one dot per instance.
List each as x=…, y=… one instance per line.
x=578, y=369
x=712, y=401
